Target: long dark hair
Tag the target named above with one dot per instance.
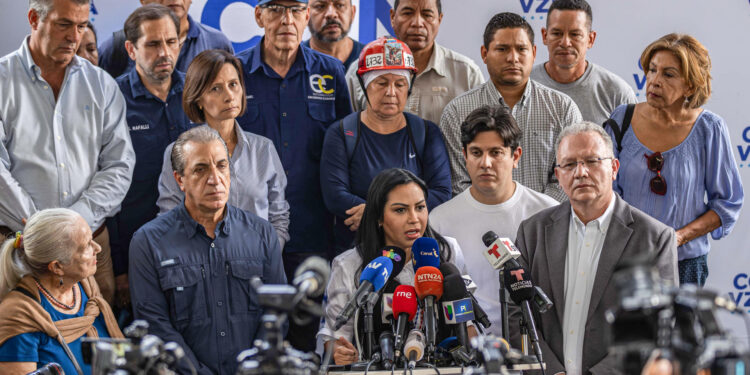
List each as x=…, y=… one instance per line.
x=370, y=237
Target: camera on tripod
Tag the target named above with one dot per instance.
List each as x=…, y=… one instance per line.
x=139, y=354
x=678, y=323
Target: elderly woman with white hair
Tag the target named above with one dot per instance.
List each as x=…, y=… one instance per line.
x=382, y=136
x=49, y=296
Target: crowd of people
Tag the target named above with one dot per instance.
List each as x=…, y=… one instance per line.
x=155, y=176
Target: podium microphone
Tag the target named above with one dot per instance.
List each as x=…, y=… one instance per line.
x=518, y=282
x=428, y=283
x=414, y=348
x=51, y=368
x=373, y=277
x=479, y=314
x=457, y=308
x=386, y=349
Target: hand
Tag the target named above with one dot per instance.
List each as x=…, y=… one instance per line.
x=679, y=236
x=355, y=216
x=122, y=290
x=344, y=352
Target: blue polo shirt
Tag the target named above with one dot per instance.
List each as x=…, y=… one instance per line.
x=199, y=38
x=195, y=290
x=153, y=125
x=294, y=113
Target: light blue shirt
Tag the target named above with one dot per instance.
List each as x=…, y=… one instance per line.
x=585, y=243
x=701, y=175
x=257, y=182
x=72, y=152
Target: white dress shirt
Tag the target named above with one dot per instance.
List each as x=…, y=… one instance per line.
x=585, y=243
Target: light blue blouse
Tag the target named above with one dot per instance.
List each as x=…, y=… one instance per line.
x=701, y=175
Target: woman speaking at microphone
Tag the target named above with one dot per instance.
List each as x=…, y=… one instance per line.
x=395, y=215
x=359, y=146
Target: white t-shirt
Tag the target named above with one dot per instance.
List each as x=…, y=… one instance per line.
x=466, y=220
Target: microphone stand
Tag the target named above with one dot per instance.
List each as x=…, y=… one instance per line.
x=504, y=305
x=369, y=343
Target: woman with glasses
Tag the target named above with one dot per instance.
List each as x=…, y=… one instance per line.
x=676, y=161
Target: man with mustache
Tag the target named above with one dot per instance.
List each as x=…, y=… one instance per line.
x=572, y=251
x=293, y=94
x=63, y=137
x=190, y=268
x=153, y=92
x=442, y=74
x=541, y=113
x=330, y=21
x=194, y=38
x=568, y=36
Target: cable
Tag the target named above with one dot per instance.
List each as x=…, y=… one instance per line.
x=367, y=368
x=541, y=365
x=430, y=365
x=356, y=335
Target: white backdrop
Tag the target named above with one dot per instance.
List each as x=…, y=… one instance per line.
x=624, y=28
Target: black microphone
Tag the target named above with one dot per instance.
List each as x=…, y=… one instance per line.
x=311, y=276
x=521, y=289
x=457, y=307
x=386, y=349
x=479, y=315
x=51, y=368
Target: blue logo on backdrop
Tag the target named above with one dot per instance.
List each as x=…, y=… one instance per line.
x=369, y=11
x=741, y=295
x=744, y=149
x=640, y=80
x=537, y=9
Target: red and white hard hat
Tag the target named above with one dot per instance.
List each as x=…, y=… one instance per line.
x=386, y=54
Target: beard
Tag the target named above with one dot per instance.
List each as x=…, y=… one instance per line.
x=319, y=35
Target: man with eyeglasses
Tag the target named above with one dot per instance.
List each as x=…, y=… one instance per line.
x=573, y=249
x=330, y=21
x=293, y=94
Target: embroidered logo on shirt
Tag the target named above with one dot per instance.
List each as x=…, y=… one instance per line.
x=412, y=155
x=139, y=127
x=318, y=84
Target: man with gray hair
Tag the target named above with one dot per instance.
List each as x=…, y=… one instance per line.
x=573, y=249
x=63, y=136
x=190, y=268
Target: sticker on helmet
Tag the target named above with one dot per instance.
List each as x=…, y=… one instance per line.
x=393, y=54
x=408, y=60
x=374, y=61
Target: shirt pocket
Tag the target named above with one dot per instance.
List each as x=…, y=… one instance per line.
x=243, y=298
x=186, y=291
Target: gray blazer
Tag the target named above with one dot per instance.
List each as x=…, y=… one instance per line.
x=543, y=241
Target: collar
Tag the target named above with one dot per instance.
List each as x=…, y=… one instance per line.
x=32, y=69
x=193, y=29
x=602, y=222
x=437, y=61
x=242, y=141
x=496, y=97
x=191, y=226
x=137, y=88
x=527, y=92
x=256, y=59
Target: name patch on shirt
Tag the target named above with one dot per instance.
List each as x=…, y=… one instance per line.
x=138, y=127
x=320, y=86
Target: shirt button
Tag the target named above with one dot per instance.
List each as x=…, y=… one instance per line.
x=287, y=172
x=171, y=128
x=569, y=361
x=59, y=137
x=571, y=331
x=283, y=114
x=219, y=303
x=45, y=87
x=212, y=244
x=283, y=85
x=62, y=165
x=65, y=193
x=286, y=144
x=578, y=302
x=222, y=334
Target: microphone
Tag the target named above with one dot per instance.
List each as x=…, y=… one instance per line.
x=414, y=347
x=51, y=368
x=457, y=308
x=428, y=283
x=518, y=282
x=425, y=252
x=479, y=314
x=311, y=276
x=500, y=250
x=397, y=255
x=386, y=349
x=373, y=277
x=404, y=308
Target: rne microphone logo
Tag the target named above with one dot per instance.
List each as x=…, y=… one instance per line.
x=404, y=294
x=518, y=274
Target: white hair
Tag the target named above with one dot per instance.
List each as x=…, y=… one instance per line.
x=585, y=127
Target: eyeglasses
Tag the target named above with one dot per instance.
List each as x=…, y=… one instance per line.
x=589, y=164
x=278, y=10
x=655, y=163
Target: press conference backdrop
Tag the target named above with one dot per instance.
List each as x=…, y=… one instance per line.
x=623, y=28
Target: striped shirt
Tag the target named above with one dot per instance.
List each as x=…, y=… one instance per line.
x=541, y=114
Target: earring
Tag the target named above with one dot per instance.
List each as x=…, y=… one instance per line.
x=61, y=281
x=200, y=107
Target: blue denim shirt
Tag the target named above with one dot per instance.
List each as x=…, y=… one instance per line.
x=294, y=113
x=153, y=124
x=199, y=38
x=196, y=291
